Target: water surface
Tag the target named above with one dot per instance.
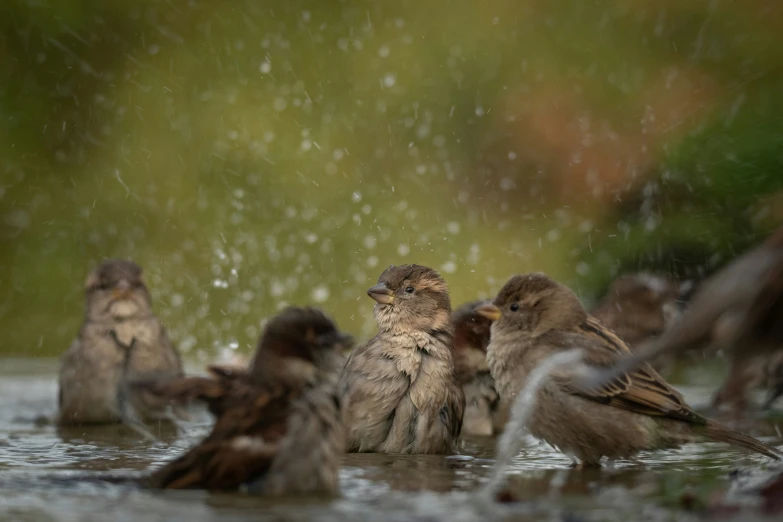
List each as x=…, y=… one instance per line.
x=48, y=474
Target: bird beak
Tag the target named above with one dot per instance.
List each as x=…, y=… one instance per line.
x=489, y=311
x=122, y=290
x=381, y=293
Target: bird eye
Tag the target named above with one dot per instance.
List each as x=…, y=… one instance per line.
x=514, y=307
x=409, y=290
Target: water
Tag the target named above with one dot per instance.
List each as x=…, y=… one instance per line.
x=46, y=474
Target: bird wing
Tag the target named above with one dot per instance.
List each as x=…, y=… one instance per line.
x=172, y=355
x=641, y=390
x=373, y=387
x=454, y=411
x=251, y=423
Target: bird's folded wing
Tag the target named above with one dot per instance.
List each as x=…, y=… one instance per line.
x=641, y=390
x=372, y=386
x=170, y=353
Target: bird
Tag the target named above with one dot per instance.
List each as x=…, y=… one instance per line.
x=639, y=306
x=401, y=388
x=279, y=424
x=120, y=340
x=484, y=414
x=534, y=317
x=738, y=310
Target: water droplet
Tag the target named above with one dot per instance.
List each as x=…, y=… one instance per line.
x=279, y=104
x=449, y=267
x=320, y=294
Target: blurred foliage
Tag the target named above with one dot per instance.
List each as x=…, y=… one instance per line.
x=250, y=154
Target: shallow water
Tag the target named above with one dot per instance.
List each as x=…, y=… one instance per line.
x=46, y=474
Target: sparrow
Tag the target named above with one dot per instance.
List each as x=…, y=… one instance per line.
x=739, y=310
x=280, y=423
x=639, y=306
x=535, y=317
x=484, y=415
x=401, y=387
x=120, y=340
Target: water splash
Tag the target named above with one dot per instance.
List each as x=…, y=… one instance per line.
x=510, y=442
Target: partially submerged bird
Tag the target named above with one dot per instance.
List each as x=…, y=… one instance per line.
x=484, y=415
x=279, y=426
x=401, y=388
x=120, y=340
x=536, y=317
x=739, y=310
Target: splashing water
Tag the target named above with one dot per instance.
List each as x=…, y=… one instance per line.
x=510, y=442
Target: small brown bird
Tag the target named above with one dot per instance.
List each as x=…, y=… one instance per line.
x=641, y=306
x=279, y=426
x=484, y=415
x=535, y=318
x=401, y=389
x=120, y=340
x=739, y=310
x=638, y=307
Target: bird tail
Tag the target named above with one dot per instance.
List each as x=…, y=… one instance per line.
x=719, y=433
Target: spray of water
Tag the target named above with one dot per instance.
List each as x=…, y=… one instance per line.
x=510, y=442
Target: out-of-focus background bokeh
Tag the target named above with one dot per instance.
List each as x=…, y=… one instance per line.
x=251, y=154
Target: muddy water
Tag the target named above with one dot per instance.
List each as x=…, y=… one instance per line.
x=46, y=474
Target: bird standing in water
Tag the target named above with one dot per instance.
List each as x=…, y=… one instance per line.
x=280, y=426
x=120, y=340
x=401, y=388
x=535, y=317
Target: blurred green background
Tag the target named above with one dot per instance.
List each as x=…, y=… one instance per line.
x=251, y=154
